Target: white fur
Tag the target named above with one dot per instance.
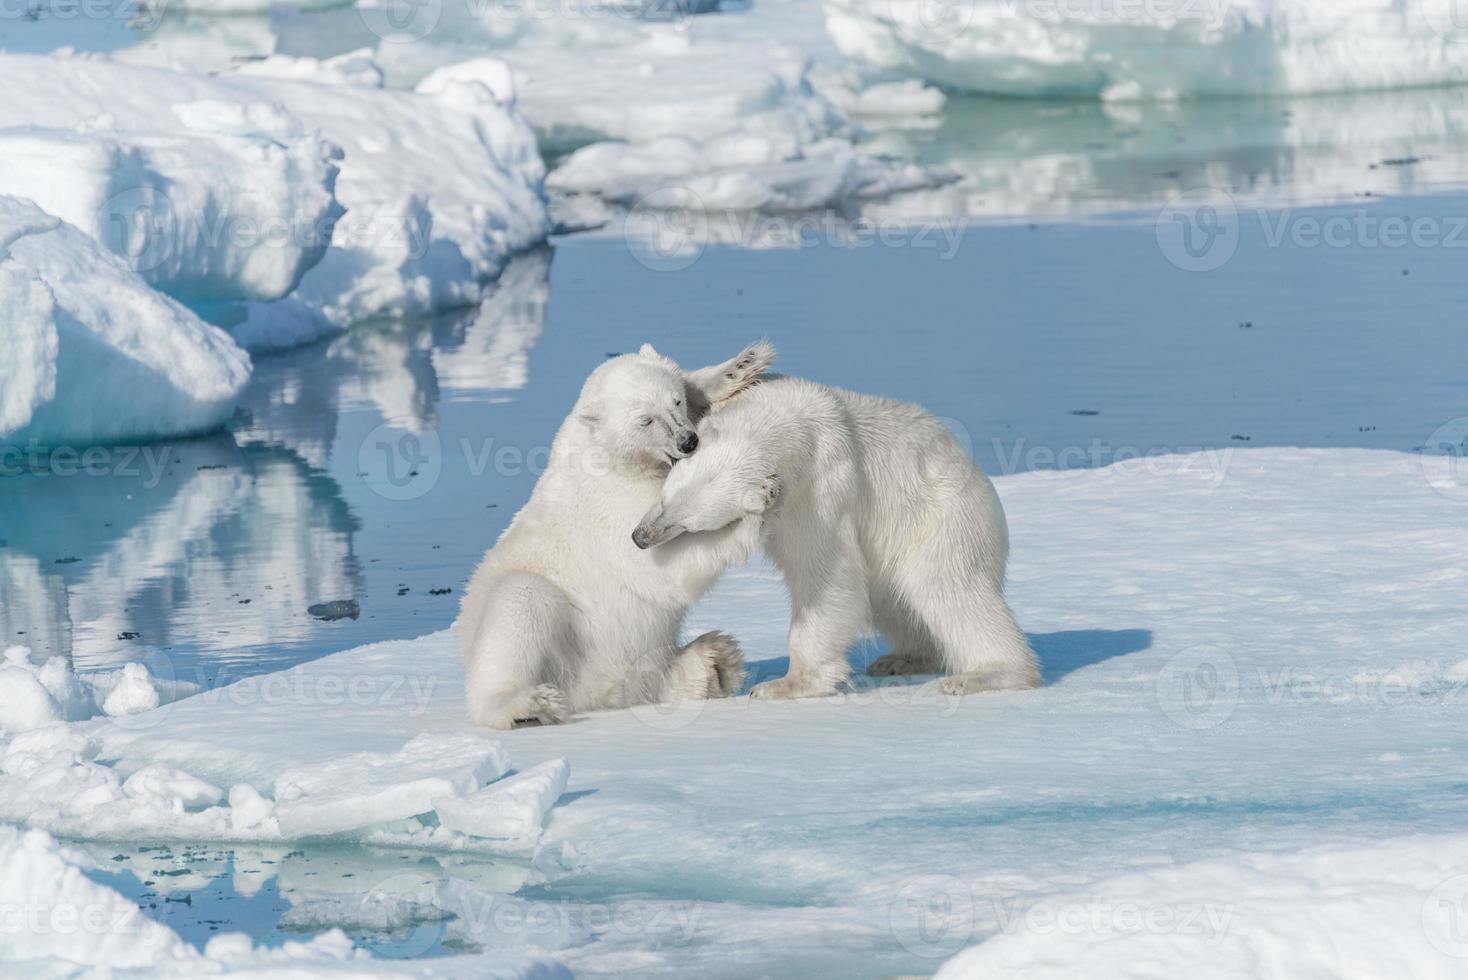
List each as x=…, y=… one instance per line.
x=565, y=614
x=875, y=515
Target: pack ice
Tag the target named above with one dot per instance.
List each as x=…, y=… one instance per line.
x=1249, y=753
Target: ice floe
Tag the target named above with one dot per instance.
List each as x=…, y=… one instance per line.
x=92, y=353
x=1188, y=636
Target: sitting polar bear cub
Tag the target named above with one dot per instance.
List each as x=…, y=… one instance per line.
x=875, y=514
x=564, y=614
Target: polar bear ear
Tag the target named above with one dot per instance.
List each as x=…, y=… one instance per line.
x=648, y=352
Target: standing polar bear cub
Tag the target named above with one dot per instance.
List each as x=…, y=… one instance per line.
x=564, y=614
x=875, y=515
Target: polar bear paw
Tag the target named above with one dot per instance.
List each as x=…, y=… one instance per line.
x=725, y=662
x=980, y=681
x=900, y=663
x=545, y=704
x=789, y=688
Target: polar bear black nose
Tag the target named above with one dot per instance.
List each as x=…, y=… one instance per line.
x=688, y=443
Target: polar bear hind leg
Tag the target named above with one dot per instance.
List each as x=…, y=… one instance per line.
x=516, y=673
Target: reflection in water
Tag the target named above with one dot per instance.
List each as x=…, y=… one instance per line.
x=389, y=902
x=1026, y=158
x=206, y=553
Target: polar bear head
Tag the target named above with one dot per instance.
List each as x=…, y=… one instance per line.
x=730, y=481
x=644, y=408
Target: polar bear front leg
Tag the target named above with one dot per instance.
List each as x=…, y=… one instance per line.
x=829, y=607
x=711, y=666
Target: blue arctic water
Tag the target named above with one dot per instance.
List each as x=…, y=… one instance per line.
x=380, y=465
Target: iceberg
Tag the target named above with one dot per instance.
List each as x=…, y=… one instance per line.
x=92, y=353
x=1170, y=49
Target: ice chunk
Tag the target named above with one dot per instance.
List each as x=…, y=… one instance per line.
x=92, y=353
x=439, y=190
x=356, y=791
x=199, y=211
x=57, y=911
x=353, y=68
x=134, y=692
x=127, y=690
x=511, y=809
x=1156, y=50
x=166, y=782
x=24, y=702
x=735, y=171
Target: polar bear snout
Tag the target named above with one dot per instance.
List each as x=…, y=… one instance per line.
x=687, y=442
x=654, y=530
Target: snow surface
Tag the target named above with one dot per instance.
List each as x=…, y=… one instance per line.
x=1254, y=669
x=92, y=354
x=1389, y=909
x=440, y=190
x=1115, y=49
